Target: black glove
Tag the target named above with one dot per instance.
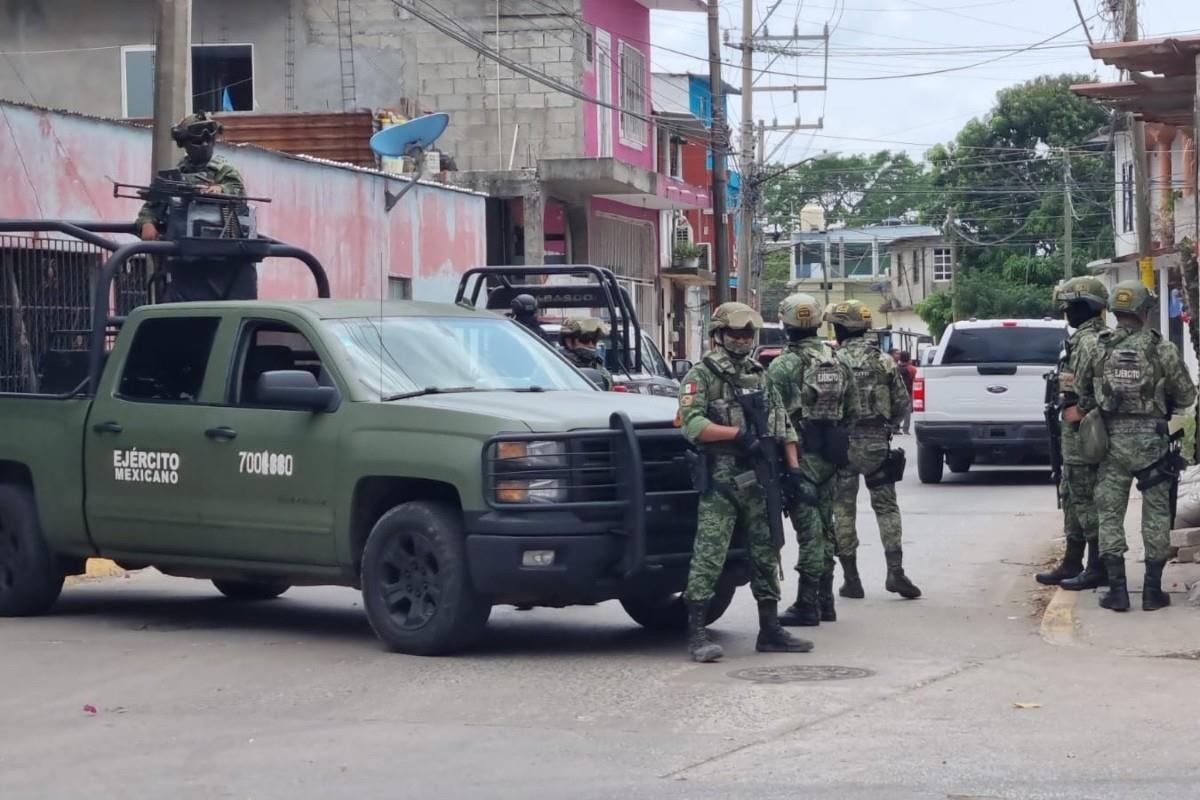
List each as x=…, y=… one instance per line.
x=747, y=442
x=801, y=488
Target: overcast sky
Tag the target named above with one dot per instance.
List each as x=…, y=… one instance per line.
x=876, y=38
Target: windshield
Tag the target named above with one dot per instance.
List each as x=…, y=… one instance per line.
x=398, y=355
x=652, y=359
x=1004, y=346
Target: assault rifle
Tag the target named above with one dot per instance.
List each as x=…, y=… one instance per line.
x=769, y=460
x=1053, y=415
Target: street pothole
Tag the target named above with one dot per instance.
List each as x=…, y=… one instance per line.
x=800, y=673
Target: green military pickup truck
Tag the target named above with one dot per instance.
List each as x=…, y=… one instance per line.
x=442, y=459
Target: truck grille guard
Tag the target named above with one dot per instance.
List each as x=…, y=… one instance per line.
x=614, y=486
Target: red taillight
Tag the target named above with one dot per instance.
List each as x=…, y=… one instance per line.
x=1009, y=323
x=619, y=388
x=918, y=393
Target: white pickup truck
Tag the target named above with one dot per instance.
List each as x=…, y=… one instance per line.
x=982, y=397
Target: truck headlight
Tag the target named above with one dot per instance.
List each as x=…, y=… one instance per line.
x=514, y=458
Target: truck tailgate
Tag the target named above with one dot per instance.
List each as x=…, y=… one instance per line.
x=984, y=392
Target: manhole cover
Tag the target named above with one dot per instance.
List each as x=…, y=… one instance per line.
x=797, y=673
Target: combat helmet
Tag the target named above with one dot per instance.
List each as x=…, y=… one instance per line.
x=800, y=310
x=1130, y=297
x=1083, y=289
x=199, y=128
x=583, y=328
x=853, y=315
x=733, y=317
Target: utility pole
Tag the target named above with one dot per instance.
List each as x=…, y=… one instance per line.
x=1138, y=129
x=172, y=78
x=1068, y=217
x=749, y=272
x=749, y=190
x=948, y=232
x=718, y=144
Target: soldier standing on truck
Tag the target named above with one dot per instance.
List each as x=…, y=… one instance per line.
x=1082, y=301
x=1134, y=382
x=730, y=495
x=883, y=401
x=233, y=279
x=579, y=338
x=821, y=399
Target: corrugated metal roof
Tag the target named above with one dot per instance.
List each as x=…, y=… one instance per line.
x=343, y=136
x=867, y=234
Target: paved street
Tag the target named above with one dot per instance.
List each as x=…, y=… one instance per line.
x=197, y=697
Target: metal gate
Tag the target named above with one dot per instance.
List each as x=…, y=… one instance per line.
x=46, y=289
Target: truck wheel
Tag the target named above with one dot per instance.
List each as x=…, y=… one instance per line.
x=669, y=613
x=30, y=580
x=929, y=464
x=959, y=463
x=415, y=583
x=251, y=590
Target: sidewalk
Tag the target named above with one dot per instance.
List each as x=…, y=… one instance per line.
x=1076, y=619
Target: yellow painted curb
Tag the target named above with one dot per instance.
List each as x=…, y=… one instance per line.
x=97, y=568
x=1058, y=620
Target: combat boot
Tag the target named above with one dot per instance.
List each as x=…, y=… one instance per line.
x=1071, y=565
x=702, y=648
x=825, y=597
x=1092, y=577
x=772, y=638
x=805, y=612
x=1117, y=596
x=897, y=581
x=1153, y=596
x=851, y=584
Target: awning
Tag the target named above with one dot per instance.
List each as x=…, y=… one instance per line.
x=611, y=179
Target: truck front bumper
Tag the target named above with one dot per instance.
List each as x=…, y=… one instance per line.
x=1003, y=442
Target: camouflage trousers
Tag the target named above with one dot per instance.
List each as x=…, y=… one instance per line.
x=721, y=513
x=1080, y=522
x=814, y=524
x=868, y=450
x=1127, y=453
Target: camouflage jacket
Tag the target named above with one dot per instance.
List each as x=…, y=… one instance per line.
x=1079, y=349
x=789, y=376
x=707, y=396
x=1134, y=373
x=596, y=363
x=217, y=172
x=882, y=396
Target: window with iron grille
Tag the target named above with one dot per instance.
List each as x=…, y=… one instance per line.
x=633, y=97
x=943, y=264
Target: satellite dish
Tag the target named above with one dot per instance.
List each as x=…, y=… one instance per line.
x=419, y=133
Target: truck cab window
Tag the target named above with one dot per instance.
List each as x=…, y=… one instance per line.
x=167, y=359
x=271, y=347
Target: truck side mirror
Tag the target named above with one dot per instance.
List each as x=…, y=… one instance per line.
x=681, y=367
x=295, y=388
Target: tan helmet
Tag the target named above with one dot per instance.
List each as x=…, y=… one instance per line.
x=853, y=315
x=584, y=327
x=1130, y=297
x=198, y=128
x=734, y=317
x=800, y=310
x=1083, y=289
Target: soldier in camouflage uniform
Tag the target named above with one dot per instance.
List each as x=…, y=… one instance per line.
x=1082, y=301
x=578, y=338
x=883, y=401
x=821, y=399
x=214, y=279
x=1135, y=380
x=197, y=135
x=712, y=421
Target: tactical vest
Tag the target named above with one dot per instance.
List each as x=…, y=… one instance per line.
x=822, y=387
x=725, y=410
x=869, y=377
x=1130, y=378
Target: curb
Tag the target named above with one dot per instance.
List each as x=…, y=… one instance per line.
x=97, y=569
x=1058, y=620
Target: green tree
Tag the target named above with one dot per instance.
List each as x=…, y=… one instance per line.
x=858, y=189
